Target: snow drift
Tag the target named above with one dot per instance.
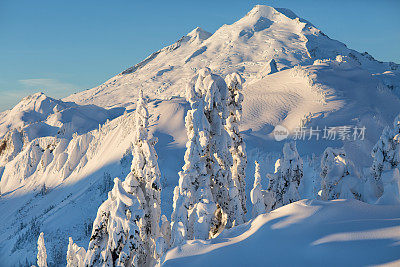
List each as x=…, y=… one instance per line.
x=304, y=233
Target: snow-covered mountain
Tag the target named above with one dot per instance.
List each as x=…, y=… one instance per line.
x=247, y=46
x=57, y=164
x=38, y=115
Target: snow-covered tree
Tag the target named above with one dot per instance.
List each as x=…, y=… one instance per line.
x=256, y=194
x=391, y=188
x=237, y=147
x=116, y=239
x=386, y=154
x=145, y=170
x=339, y=178
x=41, y=254
x=194, y=191
x=202, y=202
x=75, y=255
x=285, y=181
x=163, y=242
x=212, y=88
x=126, y=230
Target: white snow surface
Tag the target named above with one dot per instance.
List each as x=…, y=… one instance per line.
x=246, y=46
x=304, y=233
x=53, y=180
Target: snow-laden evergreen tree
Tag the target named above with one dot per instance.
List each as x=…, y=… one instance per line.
x=285, y=181
x=237, y=147
x=256, y=194
x=163, y=242
x=41, y=254
x=116, y=239
x=166, y=229
x=145, y=170
x=75, y=255
x=391, y=187
x=193, y=199
x=386, y=154
x=339, y=178
x=212, y=88
x=203, y=202
x=126, y=230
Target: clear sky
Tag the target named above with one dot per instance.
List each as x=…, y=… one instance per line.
x=60, y=47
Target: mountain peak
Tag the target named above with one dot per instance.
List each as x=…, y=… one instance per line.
x=35, y=96
x=199, y=34
x=273, y=12
x=262, y=11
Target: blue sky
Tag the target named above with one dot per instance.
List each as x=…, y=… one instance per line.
x=60, y=47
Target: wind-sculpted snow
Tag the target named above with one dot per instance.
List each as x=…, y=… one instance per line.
x=305, y=233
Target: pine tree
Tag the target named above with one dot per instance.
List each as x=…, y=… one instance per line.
x=126, y=230
x=75, y=255
x=41, y=254
x=115, y=238
x=391, y=188
x=163, y=242
x=212, y=88
x=203, y=200
x=145, y=170
x=195, y=178
x=386, y=162
x=256, y=194
x=237, y=147
x=284, y=183
x=386, y=154
x=339, y=178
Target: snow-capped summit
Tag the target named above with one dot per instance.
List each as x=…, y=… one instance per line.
x=246, y=46
x=198, y=34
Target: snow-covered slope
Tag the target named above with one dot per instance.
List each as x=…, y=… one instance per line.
x=38, y=115
x=305, y=233
x=55, y=184
x=247, y=46
x=53, y=180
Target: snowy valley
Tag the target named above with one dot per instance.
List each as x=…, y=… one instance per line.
x=199, y=119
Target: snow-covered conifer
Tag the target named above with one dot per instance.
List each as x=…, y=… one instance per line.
x=212, y=88
x=237, y=147
x=284, y=183
x=256, y=194
x=75, y=255
x=115, y=238
x=145, y=169
x=41, y=254
x=386, y=154
x=126, y=230
x=339, y=178
x=202, y=201
x=391, y=188
x=194, y=179
x=163, y=242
